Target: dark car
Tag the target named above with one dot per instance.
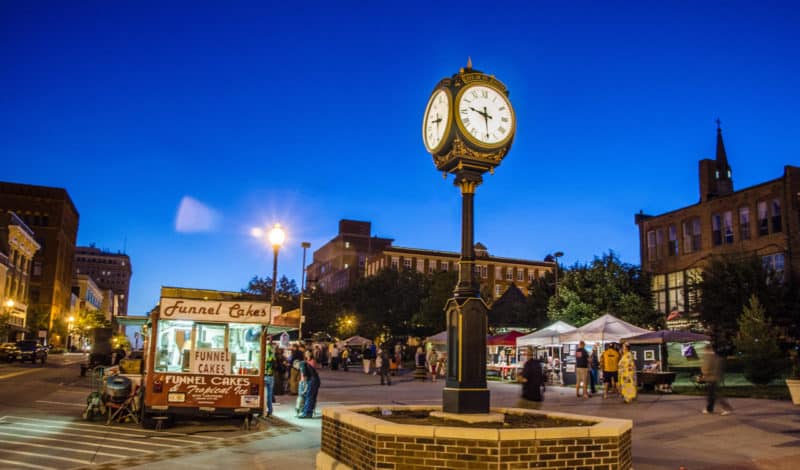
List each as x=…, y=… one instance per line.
x=32, y=350
x=9, y=352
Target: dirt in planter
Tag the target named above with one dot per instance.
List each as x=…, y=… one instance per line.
x=511, y=421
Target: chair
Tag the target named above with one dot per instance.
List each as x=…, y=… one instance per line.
x=120, y=412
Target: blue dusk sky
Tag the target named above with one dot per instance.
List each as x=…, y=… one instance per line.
x=178, y=128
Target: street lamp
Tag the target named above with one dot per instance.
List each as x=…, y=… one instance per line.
x=306, y=246
x=553, y=258
x=276, y=238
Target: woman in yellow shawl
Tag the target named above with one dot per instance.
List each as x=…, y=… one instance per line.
x=627, y=375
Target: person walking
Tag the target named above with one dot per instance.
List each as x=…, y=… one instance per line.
x=310, y=376
x=610, y=362
x=345, y=358
x=294, y=372
x=432, y=363
x=594, y=366
x=627, y=374
x=713, y=371
x=419, y=364
x=384, y=368
x=581, y=370
x=365, y=357
x=532, y=379
x=270, y=366
x=334, y=350
x=279, y=374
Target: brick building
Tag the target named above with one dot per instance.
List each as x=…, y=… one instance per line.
x=51, y=215
x=109, y=270
x=494, y=274
x=763, y=219
x=17, y=249
x=338, y=263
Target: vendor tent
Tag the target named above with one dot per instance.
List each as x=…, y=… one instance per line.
x=356, y=341
x=438, y=338
x=545, y=336
x=506, y=339
x=666, y=336
x=607, y=328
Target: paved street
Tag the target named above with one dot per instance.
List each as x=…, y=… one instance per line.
x=40, y=426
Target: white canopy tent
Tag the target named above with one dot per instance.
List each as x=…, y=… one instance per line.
x=356, y=341
x=438, y=338
x=607, y=328
x=545, y=336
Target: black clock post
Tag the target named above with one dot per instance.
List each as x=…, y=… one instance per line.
x=464, y=154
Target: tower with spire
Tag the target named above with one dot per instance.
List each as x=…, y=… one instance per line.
x=716, y=178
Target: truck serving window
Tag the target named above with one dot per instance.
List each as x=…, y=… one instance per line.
x=173, y=346
x=245, y=347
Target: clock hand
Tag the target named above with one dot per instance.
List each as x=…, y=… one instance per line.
x=486, y=118
x=479, y=112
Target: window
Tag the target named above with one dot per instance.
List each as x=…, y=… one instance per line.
x=533, y=274
x=395, y=263
x=498, y=290
x=672, y=245
x=660, y=243
x=763, y=225
x=509, y=274
x=431, y=267
x=716, y=229
x=347, y=244
x=693, y=278
x=776, y=215
x=687, y=237
x=484, y=271
x=675, y=291
x=498, y=273
x=727, y=227
x=444, y=265
x=173, y=346
x=697, y=239
x=244, y=346
x=744, y=223
x=659, y=293
x=520, y=274
x=775, y=264
x=420, y=266
x=651, y=245
x=407, y=263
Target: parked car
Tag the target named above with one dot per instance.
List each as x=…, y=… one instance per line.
x=32, y=350
x=9, y=352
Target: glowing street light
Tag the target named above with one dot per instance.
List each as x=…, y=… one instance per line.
x=276, y=238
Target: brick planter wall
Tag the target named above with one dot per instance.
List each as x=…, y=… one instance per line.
x=351, y=440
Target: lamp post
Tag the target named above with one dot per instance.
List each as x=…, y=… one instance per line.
x=306, y=246
x=554, y=258
x=276, y=238
x=9, y=304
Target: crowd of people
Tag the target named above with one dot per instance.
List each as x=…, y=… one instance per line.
x=292, y=372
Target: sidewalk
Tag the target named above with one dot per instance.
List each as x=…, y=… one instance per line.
x=668, y=430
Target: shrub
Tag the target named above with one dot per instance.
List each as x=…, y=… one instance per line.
x=757, y=341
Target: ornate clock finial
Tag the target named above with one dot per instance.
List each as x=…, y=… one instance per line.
x=469, y=62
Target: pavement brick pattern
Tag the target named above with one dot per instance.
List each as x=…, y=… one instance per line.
x=277, y=427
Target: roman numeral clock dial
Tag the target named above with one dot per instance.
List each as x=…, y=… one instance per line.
x=437, y=121
x=485, y=115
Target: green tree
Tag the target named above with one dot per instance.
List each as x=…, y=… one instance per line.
x=287, y=294
x=5, y=325
x=606, y=285
x=431, y=317
x=726, y=285
x=757, y=341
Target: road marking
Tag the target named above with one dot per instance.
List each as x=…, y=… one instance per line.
x=68, y=449
x=80, y=443
x=23, y=464
x=154, y=444
x=43, y=456
x=61, y=403
x=102, y=426
x=22, y=372
x=116, y=431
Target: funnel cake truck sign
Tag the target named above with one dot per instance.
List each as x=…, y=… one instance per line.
x=218, y=311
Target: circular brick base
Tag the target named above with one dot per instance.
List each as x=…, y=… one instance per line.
x=352, y=440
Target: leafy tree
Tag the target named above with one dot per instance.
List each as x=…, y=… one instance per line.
x=431, y=317
x=757, y=341
x=5, y=326
x=727, y=284
x=606, y=285
x=287, y=294
x=321, y=311
x=387, y=302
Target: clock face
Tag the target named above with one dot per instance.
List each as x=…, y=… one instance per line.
x=437, y=120
x=485, y=115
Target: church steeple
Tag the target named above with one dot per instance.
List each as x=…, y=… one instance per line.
x=723, y=174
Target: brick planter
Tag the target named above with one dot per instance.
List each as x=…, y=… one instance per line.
x=351, y=440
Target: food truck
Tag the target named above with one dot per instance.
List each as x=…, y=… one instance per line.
x=204, y=354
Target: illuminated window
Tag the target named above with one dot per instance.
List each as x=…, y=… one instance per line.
x=407, y=263
x=672, y=245
x=763, y=222
x=716, y=229
x=727, y=227
x=744, y=223
x=776, y=216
